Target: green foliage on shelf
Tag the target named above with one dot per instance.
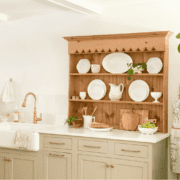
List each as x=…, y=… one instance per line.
x=178, y=37
x=131, y=71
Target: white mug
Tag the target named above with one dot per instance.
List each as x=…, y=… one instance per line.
x=88, y=120
x=82, y=95
x=95, y=68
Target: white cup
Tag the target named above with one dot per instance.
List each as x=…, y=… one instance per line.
x=82, y=95
x=88, y=120
x=95, y=68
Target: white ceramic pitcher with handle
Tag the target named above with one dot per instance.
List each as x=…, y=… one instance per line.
x=115, y=93
x=88, y=120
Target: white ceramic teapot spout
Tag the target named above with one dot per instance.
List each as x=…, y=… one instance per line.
x=115, y=93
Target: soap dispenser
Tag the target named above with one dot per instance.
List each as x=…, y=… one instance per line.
x=16, y=115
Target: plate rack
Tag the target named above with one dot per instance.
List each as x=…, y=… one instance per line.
x=141, y=47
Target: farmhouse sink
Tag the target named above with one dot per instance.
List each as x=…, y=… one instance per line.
x=8, y=132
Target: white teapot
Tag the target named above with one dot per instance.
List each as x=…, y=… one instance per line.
x=115, y=93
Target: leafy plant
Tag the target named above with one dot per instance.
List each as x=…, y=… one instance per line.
x=71, y=119
x=178, y=37
x=131, y=71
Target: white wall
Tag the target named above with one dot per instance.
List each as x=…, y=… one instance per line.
x=34, y=54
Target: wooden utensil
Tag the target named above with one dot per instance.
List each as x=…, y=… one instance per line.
x=85, y=110
x=94, y=111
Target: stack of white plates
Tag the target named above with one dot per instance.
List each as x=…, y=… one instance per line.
x=83, y=66
x=154, y=65
x=138, y=90
x=96, y=89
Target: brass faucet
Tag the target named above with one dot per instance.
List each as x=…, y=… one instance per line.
x=35, y=116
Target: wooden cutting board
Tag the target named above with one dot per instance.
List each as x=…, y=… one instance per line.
x=143, y=115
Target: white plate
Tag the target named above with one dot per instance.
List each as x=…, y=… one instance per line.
x=83, y=66
x=147, y=131
x=154, y=65
x=138, y=90
x=101, y=129
x=116, y=62
x=96, y=89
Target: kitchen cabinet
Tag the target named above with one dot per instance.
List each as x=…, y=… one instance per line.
x=93, y=167
x=18, y=166
x=57, y=165
x=127, y=169
x=140, y=47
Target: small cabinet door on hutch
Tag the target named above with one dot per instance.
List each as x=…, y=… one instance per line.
x=92, y=167
x=125, y=169
x=57, y=165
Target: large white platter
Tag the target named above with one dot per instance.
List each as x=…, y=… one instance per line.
x=83, y=66
x=138, y=90
x=154, y=65
x=101, y=129
x=96, y=89
x=116, y=62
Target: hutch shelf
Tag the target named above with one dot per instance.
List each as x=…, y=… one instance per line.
x=141, y=47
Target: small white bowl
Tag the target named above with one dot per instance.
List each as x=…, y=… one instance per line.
x=95, y=68
x=147, y=131
x=156, y=96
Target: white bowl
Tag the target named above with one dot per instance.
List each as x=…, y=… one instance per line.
x=95, y=68
x=147, y=131
x=156, y=96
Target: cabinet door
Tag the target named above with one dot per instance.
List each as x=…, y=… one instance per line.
x=57, y=165
x=2, y=167
x=125, y=169
x=92, y=167
x=21, y=167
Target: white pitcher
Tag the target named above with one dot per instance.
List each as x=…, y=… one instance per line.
x=115, y=93
x=88, y=120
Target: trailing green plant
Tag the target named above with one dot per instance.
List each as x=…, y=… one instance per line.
x=178, y=37
x=71, y=119
x=131, y=71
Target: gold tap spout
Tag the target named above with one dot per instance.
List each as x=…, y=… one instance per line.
x=24, y=105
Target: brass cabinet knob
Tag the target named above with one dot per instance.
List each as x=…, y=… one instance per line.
x=112, y=166
x=107, y=165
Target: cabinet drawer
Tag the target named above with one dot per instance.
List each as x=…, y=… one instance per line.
x=93, y=146
x=131, y=150
x=57, y=142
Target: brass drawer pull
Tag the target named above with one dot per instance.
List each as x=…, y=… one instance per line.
x=56, y=143
x=56, y=155
x=92, y=146
x=7, y=160
x=129, y=150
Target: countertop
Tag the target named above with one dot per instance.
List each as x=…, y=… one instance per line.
x=114, y=134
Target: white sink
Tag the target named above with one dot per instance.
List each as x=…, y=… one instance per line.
x=8, y=132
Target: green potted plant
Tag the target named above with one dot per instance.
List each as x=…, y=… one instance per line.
x=135, y=68
x=77, y=123
x=178, y=37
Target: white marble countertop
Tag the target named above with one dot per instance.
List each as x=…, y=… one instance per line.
x=114, y=134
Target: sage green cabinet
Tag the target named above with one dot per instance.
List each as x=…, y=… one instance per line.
x=92, y=167
x=57, y=165
x=125, y=169
x=18, y=166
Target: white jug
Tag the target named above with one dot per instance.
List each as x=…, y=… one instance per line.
x=115, y=93
x=88, y=120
